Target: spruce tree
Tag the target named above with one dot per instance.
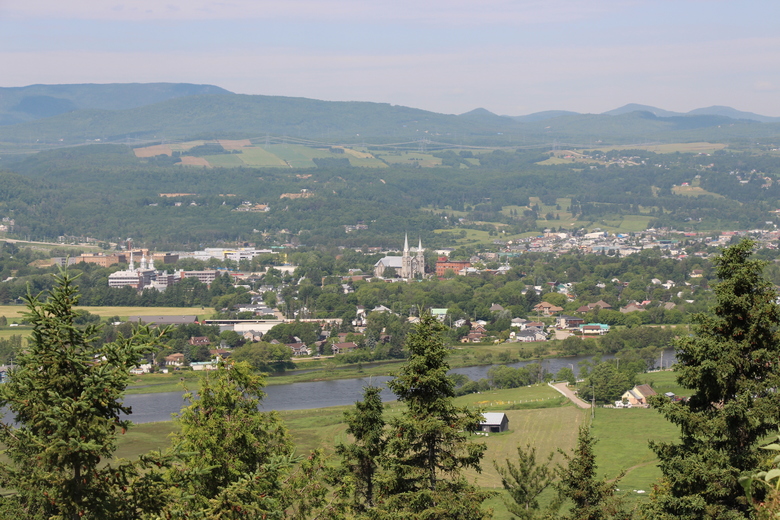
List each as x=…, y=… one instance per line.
x=361, y=458
x=525, y=480
x=65, y=396
x=428, y=445
x=591, y=498
x=730, y=362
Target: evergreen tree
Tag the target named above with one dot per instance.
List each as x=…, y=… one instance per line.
x=223, y=434
x=65, y=395
x=525, y=480
x=592, y=498
x=731, y=364
x=361, y=459
x=428, y=444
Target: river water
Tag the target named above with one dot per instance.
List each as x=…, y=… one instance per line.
x=324, y=394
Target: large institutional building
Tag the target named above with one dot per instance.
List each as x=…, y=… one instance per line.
x=407, y=266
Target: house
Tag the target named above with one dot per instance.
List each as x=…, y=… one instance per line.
x=547, y=309
x=494, y=422
x=591, y=329
x=632, y=307
x=203, y=365
x=176, y=359
x=253, y=335
x=638, y=395
x=299, y=349
x=342, y=348
x=567, y=322
x=528, y=335
x=198, y=341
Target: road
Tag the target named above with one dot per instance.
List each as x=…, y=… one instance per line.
x=564, y=389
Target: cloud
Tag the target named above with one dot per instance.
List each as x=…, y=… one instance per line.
x=437, y=12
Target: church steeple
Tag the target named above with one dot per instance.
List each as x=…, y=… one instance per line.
x=406, y=243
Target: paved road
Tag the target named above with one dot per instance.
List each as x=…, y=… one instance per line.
x=564, y=389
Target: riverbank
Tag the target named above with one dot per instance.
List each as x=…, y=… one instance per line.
x=330, y=370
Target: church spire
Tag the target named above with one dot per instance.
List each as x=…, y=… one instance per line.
x=406, y=243
x=419, y=246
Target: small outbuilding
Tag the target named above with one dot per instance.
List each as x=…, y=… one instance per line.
x=494, y=422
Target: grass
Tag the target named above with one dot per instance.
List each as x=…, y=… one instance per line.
x=15, y=311
x=260, y=157
x=623, y=436
x=694, y=191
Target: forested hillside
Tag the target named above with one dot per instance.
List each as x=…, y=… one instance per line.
x=106, y=192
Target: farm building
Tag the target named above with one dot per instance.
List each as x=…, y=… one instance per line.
x=494, y=422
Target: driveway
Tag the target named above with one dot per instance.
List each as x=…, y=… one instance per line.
x=564, y=389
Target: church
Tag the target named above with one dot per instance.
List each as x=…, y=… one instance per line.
x=407, y=266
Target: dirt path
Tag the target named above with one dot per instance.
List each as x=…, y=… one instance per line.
x=564, y=389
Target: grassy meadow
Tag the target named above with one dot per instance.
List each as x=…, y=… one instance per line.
x=14, y=312
x=622, y=436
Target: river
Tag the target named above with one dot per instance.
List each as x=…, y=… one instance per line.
x=323, y=394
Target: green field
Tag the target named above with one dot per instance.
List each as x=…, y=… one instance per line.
x=13, y=312
x=425, y=160
x=622, y=435
x=224, y=160
x=260, y=157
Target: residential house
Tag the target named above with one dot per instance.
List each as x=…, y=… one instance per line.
x=567, y=322
x=299, y=349
x=638, y=395
x=547, y=309
x=342, y=348
x=176, y=359
x=594, y=329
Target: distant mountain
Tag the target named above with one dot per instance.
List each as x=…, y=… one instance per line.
x=634, y=107
x=72, y=114
x=542, y=116
x=22, y=104
x=733, y=114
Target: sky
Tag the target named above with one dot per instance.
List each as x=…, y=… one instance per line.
x=512, y=57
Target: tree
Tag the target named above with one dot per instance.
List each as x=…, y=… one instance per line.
x=731, y=364
x=361, y=459
x=525, y=481
x=592, y=498
x=428, y=444
x=238, y=462
x=65, y=394
x=607, y=383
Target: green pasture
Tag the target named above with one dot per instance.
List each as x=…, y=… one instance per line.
x=295, y=155
x=225, y=160
x=408, y=158
x=260, y=157
x=694, y=191
x=13, y=312
x=663, y=382
x=623, y=435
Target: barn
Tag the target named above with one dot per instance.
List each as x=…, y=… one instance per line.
x=494, y=422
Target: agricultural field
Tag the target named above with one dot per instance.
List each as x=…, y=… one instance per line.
x=424, y=160
x=704, y=148
x=13, y=312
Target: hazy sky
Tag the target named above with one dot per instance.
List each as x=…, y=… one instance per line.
x=511, y=57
